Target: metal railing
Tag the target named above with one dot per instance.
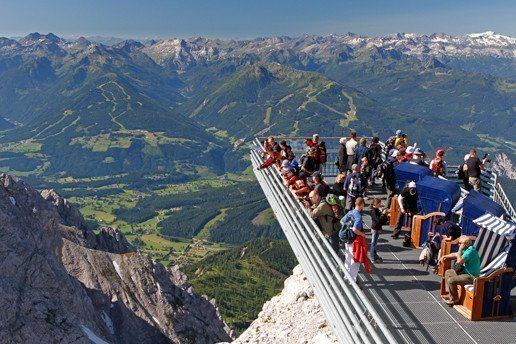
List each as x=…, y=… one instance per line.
x=490, y=188
x=347, y=309
x=329, y=169
x=490, y=185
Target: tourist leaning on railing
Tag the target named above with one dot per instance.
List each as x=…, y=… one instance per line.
x=322, y=213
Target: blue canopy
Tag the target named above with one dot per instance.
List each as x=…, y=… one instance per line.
x=476, y=205
x=436, y=194
x=407, y=171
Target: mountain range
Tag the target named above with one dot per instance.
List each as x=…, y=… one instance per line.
x=152, y=137
x=81, y=108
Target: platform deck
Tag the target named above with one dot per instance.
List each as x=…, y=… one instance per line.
x=406, y=296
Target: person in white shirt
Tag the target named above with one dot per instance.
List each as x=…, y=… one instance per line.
x=351, y=147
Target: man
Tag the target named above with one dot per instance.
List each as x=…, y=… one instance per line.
x=354, y=186
x=468, y=257
x=310, y=164
x=286, y=151
x=389, y=175
x=343, y=156
x=418, y=157
x=362, y=151
x=320, y=185
x=375, y=150
x=474, y=169
x=462, y=173
x=355, y=251
x=351, y=147
x=407, y=201
x=322, y=213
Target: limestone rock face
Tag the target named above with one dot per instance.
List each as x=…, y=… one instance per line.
x=61, y=283
x=294, y=316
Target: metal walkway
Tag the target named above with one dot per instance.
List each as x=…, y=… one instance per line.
x=407, y=298
x=398, y=302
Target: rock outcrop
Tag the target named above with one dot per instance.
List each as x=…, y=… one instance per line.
x=61, y=283
x=294, y=316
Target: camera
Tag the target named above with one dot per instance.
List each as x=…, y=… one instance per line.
x=485, y=159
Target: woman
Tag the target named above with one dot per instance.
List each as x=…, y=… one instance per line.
x=365, y=173
x=338, y=186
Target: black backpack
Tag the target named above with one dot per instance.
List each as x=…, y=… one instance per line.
x=356, y=187
x=460, y=172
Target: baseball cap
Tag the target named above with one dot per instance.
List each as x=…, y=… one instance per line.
x=399, y=132
x=418, y=151
x=412, y=184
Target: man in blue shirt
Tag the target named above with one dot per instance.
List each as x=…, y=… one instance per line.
x=356, y=215
x=470, y=260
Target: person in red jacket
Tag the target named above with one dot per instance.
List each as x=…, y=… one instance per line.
x=273, y=156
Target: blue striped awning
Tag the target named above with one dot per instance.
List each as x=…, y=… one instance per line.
x=491, y=241
x=495, y=264
x=495, y=224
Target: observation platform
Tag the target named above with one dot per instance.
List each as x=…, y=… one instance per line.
x=399, y=302
x=406, y=296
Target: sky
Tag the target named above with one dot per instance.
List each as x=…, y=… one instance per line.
x=249, y=19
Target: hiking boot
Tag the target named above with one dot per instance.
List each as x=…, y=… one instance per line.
x=378, y=259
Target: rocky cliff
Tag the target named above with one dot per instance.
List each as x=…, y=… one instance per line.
x=294, y=316
x=61, y=283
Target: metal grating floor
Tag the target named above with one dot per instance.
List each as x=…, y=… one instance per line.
x=407, y=297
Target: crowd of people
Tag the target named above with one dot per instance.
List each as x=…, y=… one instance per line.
x=338, y=209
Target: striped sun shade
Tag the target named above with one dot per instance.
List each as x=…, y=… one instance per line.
x=495, y=224
x=491, y=241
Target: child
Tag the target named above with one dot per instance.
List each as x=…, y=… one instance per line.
x=379, y=217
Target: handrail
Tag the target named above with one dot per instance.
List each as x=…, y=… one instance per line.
x=491, y=187
x=347, y=309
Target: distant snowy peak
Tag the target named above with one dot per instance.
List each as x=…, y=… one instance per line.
x=181, y=53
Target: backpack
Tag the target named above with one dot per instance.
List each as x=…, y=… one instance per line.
x=390, y=142
x=355, y=189
x=322, y=153
x=375, y=154
x=460, y=172
x=346, y=234
x=302, y=159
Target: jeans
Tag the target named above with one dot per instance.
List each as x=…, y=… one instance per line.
x=453, y=280
x=334, y=241
x=374, y=241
